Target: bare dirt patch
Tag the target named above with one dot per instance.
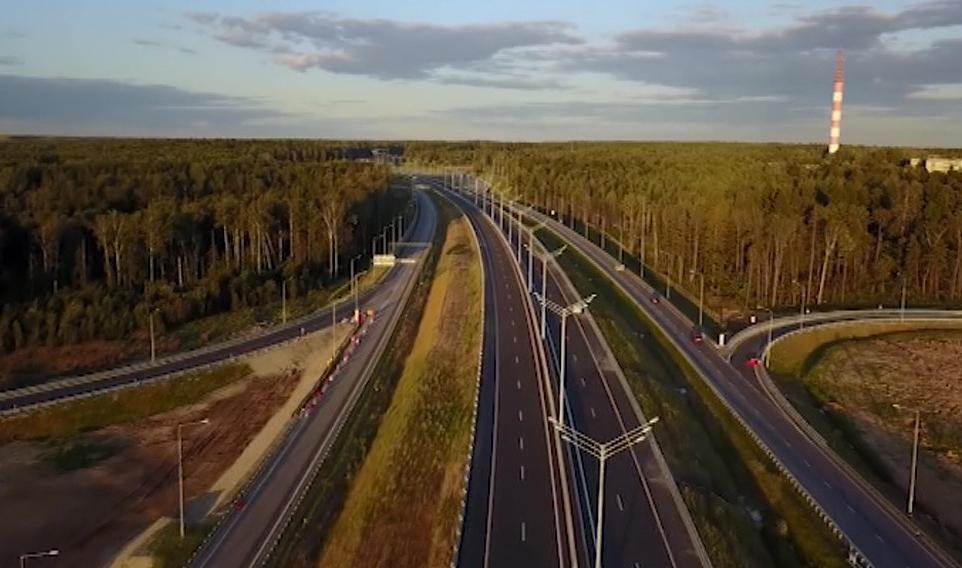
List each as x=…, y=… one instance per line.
x=863, y=379
x=89, y=513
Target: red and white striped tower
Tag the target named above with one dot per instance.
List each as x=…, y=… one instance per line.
x=835, y=131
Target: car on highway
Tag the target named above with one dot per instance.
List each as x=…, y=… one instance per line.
x=753, y=362
x=655, y=298
x=697, y=335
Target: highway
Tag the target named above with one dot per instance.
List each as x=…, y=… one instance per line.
x=875, y=531
x=84, y=385
x=516, y=512
x=245, y=537
x=645, y=522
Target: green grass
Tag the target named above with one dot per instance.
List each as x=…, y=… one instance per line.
x=168, y=550
x=722, y=475
x=302, y=542
x=122, y=406
x=404, y=503
x=801, y=379
x=81, y=454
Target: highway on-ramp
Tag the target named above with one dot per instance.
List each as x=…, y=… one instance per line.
x=245, y=537
x=876, y=533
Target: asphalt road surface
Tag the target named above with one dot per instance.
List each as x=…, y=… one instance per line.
x=643, y=523
x=875, y=529
x=515, y=513
x=246, y=536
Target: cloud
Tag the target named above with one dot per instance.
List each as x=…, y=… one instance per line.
x=384, y=49
x=92, y=107
x=144, y=42
x=793, y=63
x=10, y=60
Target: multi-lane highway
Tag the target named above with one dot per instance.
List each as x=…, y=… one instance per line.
x=245, y=537
x=875, y=531
x=517, y=512
x=646, y=523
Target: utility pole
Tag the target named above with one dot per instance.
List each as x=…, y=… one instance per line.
x=603, y=452
x=153, y=341
x=544, y=258
x=180, y=466
x=284, y=301
x=354, y=288
x=563, y=312
x=915, y=456
x=902, y=308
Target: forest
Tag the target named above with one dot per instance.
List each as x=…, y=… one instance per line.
x=765, y=225
x=95, y=234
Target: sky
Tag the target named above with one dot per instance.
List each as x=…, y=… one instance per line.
x=745, y=70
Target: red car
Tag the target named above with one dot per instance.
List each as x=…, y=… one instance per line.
x=753, y=362
x=697, y=335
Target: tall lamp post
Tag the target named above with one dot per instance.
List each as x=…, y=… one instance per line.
x=153, y=340
x=530, y=248
x=771, y=325
x=180, y=465
x=354, y=286
x=563, y=312
x=915, y=455
x=603, y=452
x=29, y=555
x=701, y=295
x=545, y=257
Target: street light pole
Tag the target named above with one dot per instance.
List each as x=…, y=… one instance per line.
x=563, y=312
x=284, y=301
x=902, y=308
x=771, y=325
x=354, y=286
x=544, y=257
x=603, y=452
x=180, y=466
x=915, y=456
x=28, y=555
x=153, y=341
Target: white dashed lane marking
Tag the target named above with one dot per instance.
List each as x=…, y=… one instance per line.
x=521, y=442
x=583, y=382
x=621, y=505
x=522, y=473
x=520, y=416
x=519, y=384
x=523, y=531
x=592, y=410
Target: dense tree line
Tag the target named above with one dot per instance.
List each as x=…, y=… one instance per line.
x=767, y=225
x=96, y=233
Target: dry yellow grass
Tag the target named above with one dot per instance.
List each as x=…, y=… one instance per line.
x=402, y=508
x=790, y=356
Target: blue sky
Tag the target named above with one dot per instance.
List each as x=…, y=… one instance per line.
x=498, y=69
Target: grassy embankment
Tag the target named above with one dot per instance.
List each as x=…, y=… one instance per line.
x=302, y=543
x=64, y=420
x=843, y=380
x=746, y=512
x=404, y=503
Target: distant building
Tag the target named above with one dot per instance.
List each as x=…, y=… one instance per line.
x=937, y=163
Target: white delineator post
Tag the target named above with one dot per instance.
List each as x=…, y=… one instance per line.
x=835, y=130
